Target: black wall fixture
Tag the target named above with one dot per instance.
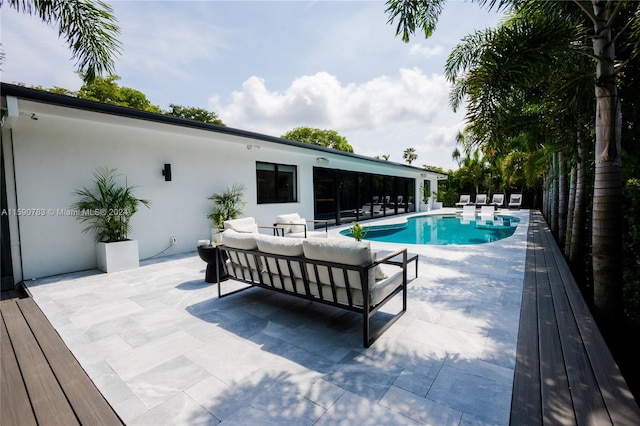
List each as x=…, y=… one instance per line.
x=167, y=172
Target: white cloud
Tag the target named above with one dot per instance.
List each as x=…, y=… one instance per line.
x=384, y=115
x=321, y=100
x=426, y=51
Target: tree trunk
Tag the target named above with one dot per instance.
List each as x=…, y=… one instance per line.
x=579, y=208
x=562, y=199
x=570, y=210
x=553, y=195
x=607, y=195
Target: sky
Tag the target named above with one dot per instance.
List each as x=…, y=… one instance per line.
x=271, y=66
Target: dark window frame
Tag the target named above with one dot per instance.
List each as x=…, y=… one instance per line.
x=273, y=198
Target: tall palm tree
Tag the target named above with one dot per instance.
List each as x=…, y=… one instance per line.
x=88, y=26
x=456, y=155
x=609, y=21
x=410, y=155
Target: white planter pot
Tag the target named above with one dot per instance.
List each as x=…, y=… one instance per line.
x=216, y=236
x=117, y=256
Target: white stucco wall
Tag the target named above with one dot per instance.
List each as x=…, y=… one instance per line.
x=60, y=151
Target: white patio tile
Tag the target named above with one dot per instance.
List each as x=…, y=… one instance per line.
x=164, y=349
x=351, y=409
x=146, y=357
x=179, y=410
x=473, y=394
x=422, y=410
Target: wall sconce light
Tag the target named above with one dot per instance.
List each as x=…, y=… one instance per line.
x=166, y=172
x=322, y=160
x=253, y=146
x=423, y=174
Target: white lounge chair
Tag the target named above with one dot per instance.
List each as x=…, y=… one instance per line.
x=469, y=211
x=515, y=200
x=497, y=200
x=465, y=199
x=487, y=211
x=481, y=200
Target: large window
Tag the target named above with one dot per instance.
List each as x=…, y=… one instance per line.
x=343, y=196
x=277, y=183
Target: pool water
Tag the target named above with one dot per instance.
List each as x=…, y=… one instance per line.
x=443, y=230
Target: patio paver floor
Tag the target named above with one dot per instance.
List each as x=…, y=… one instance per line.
x=163, y=349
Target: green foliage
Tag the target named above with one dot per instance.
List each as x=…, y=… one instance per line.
x=227, y=205
x=108, y=207
x=411, y=14
x=89, y=28
x=108, y=91
x=409, y=155
x=326, y=138
x=193, y=113
x=358, y=231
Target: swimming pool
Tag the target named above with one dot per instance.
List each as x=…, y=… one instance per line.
x=443, y=230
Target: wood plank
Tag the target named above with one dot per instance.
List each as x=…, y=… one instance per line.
x=585, y=393
x=88, y=403
x=16, y=407
x=620, y=403
x=526, y=403
x=557, y=407
x=47, y=399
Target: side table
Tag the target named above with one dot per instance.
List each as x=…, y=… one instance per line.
x=210, y=255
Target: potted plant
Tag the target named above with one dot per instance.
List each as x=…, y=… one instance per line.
x=358, y=231
x=227, y=205
x=108, y=208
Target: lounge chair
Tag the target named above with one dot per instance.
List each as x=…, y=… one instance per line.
x=469, y=210
x=465, y=199
x=487, y=211
x=292, y=225
x=515, y=200
x=481, y=200
x=366, y=209
x=497, y=201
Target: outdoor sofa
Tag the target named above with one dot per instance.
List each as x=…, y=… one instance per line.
x=340, y=273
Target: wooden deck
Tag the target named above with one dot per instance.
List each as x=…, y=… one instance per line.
x=42, y=382
x=565, y=373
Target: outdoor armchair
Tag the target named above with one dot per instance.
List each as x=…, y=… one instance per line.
x=292, y=225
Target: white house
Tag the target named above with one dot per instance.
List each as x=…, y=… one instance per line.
x=52, y=144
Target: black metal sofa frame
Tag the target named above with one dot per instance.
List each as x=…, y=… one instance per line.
x=255, y=279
